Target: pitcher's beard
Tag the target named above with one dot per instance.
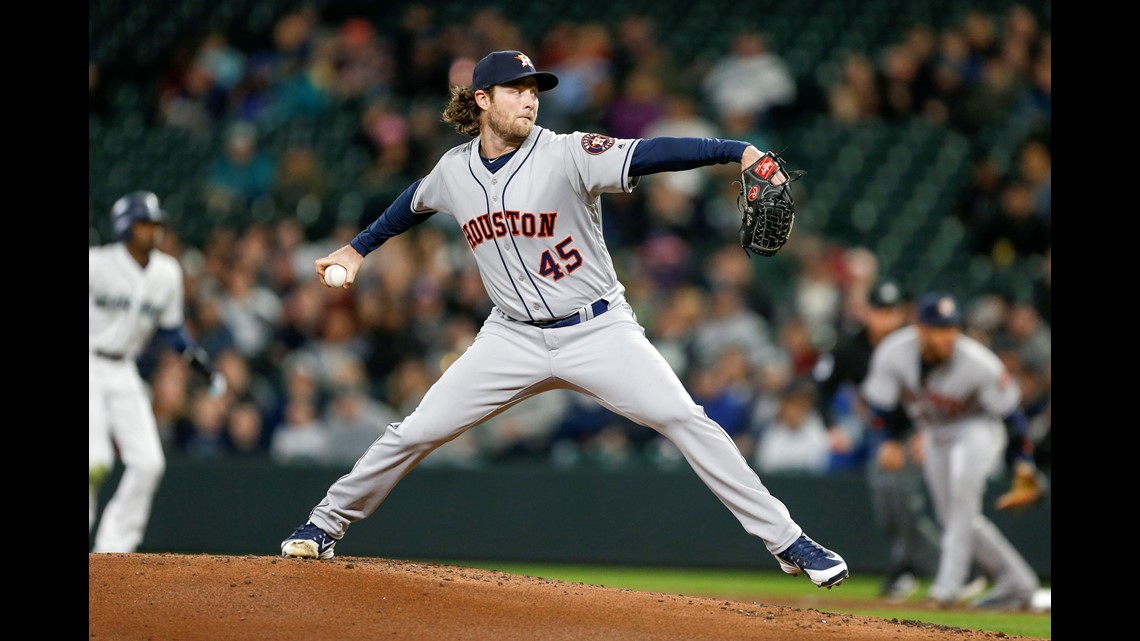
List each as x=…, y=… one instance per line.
x=510, y=129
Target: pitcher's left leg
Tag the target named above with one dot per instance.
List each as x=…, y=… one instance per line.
x=610, y=359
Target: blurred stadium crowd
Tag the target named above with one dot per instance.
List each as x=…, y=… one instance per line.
x=276, y=143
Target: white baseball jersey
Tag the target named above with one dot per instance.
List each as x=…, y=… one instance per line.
x=958, y=406
x=536, y=265
x=127, y=303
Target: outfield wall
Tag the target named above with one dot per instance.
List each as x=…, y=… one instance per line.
x=533, y=513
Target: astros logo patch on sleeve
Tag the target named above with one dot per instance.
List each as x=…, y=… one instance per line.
x=595, y=144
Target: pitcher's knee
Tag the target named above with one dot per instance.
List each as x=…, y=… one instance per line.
x=415, y=439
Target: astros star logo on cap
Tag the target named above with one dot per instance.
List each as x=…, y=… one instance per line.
x=525, y=60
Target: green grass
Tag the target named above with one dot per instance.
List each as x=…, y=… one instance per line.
x=777, y=588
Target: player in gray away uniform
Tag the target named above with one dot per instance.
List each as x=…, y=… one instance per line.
x=528, y=202
x=957, y=392
x=134, y=290
x=898, y=496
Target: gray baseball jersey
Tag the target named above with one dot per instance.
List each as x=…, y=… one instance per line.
x=536, y=221
x=126, y=302
x=535, y=229
x=973, y=385
x=958, y=407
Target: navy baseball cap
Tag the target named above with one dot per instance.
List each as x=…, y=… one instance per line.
x=886, y=293
x=938, y=309
x=502, y=67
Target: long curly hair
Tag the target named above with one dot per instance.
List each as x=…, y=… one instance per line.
x=461, y=111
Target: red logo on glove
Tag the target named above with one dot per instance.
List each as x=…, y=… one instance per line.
x=752, y=193
x=765, y=167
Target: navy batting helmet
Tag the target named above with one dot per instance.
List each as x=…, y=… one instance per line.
x=135, y=206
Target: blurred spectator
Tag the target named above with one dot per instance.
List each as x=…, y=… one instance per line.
x=728, y=322
x=170, y=391
x=665, y=256
x=591, y=434
x=244, y=384
x=252, y=97
x=408, y=384
x=224, y=63
x=301, y=183
x=673, y=329
x=298, y=383
x=1036, y=102
x=301, y=319
x=904, y=87
x=201, y=434
x=1035, y=165
x=989, y=102
x=580, y=55
x=978, y=203
x=525, y=431
x=669, y=208
x=1027, y=336
x=338, y=345
x=817, y=298
x=302, y=439
x=208, y=325
x=354, y=419
x=750, y=79
x=1017, y=231
x=638, y=46
x=858, y=271
x=724, y=389
x=771, y=379
x=189, y=98
x=361, y=65
x=241, y=173
x=727, y=264
x=856, y=96
x=195, y=104
x=795, y=339
x=796, y=441
x=985, y=317
x=982, y=39
x=637, y=106
x=680, y=117
x=384, y=134
x=251, y=310
x=421, y=69
x=244, y=433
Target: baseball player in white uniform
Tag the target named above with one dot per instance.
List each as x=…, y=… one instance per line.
x=134, y=290
x=958, y=393
x=528, y=203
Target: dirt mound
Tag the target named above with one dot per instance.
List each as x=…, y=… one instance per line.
x=161, y=597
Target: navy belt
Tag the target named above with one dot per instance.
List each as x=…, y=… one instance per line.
x=108, y=355
x=598, y=307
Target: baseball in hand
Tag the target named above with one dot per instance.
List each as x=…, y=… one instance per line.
x=335, y=275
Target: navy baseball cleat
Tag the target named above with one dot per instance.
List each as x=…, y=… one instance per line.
x=308, y=542
x=825, y=568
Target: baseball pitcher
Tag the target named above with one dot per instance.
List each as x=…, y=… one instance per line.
x=528, y=203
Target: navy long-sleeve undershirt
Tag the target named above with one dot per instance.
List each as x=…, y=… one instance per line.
x=652, y=156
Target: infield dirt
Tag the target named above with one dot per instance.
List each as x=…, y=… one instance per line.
x=177, y=597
